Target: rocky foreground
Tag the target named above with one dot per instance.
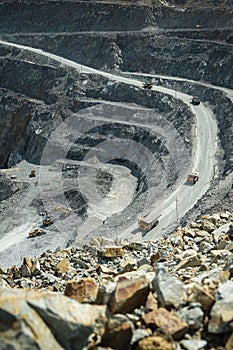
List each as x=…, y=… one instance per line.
x=173, y=294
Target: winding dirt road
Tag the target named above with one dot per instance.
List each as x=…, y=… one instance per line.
x=184, y=197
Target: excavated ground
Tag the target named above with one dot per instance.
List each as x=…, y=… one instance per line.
x=40, y=97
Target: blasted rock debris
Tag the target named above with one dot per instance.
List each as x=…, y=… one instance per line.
x=173, y=294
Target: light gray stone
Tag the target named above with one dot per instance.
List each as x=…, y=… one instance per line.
x=193, y=344
x=140, y=334
x=221, y=317
x=21, y=326
x=222, y=311
x=69, y=320
x=225, y=292
x=105, y=293
x=169, y=289
x=192, y=314
x=143, y=261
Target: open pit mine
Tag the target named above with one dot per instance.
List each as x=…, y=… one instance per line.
x=107, y=112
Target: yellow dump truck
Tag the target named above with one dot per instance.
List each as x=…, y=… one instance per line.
x=193, y=177
x=147, y=85
x=36, y=232
x=32, y=174
x=47, y=222
x=195, y=101
x=147, y=224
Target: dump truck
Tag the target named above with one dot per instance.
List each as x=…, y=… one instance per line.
x=195, y=101
x=47, y=221
x=36, y=232
x=147, y=85
x=193, y=177
x=147, y=224
x=32, y=174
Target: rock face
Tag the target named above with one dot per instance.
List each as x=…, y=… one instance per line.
x=159, y=51
x=25, y=126
x=81, y=298
x=9, y=187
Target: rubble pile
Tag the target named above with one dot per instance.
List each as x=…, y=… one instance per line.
x=176, y=293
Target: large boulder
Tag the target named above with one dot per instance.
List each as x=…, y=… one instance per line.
x=35, y=319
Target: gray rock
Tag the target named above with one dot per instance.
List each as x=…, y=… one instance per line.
x=128, y=266
x=105, y=293
x=140, y=334
x=221, y=317
x=210, y=274
x=215, y=218
x=192, y=314
x=193, y=344
x=225, y=292
x=205, y=247
x=21, y=326
x=230, y=230
x=136, y=245
x=3, y=271
x=225, y=215
x=222, y=245
x=169, y=289
x=208, y=226
x=25, y=271
x=49, y=278
x=190, y=261
x=220, y=232
x=143, y=261
x=24, y=283
x=188, y=253
x=222, y=311
x=70, y=321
